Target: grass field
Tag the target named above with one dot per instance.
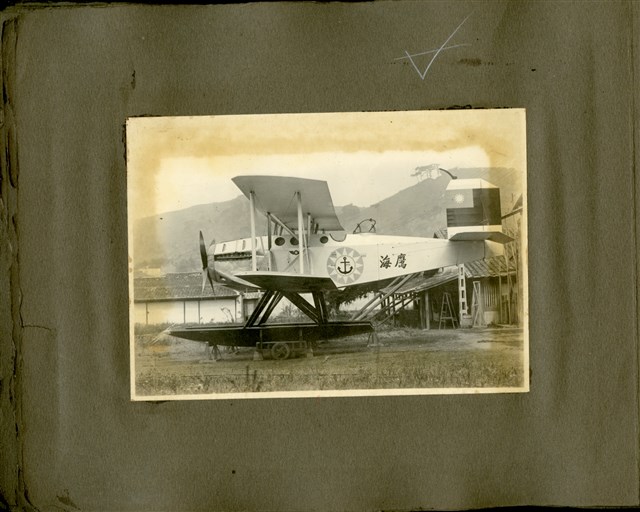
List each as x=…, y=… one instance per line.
x=404, y=358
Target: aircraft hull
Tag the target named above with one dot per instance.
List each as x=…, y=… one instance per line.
x=241, y=336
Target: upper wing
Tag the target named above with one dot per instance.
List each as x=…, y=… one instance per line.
x=285, y=282
x=277, y=195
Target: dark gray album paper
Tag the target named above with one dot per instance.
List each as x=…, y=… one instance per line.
x=72, y=438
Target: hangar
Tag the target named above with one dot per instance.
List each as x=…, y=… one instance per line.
x=476, y=294
x=178, y=299
x=491, y=288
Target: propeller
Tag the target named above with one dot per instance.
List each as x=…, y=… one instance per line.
x=205, y=264
x=211, y=274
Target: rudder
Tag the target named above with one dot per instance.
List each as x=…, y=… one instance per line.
x=473, y=211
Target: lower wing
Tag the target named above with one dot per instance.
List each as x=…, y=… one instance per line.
x=285, y=282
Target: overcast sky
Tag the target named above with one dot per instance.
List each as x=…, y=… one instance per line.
x=177, y=162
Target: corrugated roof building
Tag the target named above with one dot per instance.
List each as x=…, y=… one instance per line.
x=177, y=286
x=179, y=299
x=494, y=294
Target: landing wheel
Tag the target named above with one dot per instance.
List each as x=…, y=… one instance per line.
x=280, y=350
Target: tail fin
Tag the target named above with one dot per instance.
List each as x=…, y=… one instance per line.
x=473, y=211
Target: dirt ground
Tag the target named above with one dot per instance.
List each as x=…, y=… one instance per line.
x=402, y=358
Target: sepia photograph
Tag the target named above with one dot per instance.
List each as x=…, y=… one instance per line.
x=331, y=254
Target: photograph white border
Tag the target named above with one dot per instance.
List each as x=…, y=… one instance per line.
x=132, y=148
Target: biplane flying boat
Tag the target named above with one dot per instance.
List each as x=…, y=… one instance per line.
x=306, y=251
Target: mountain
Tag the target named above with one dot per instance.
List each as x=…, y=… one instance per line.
x=419, y=210
x=169, y=241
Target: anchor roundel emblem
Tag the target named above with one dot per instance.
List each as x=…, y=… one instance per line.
x=345, y=265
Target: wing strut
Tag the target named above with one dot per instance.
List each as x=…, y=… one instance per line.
x=277, y=297
x=317, y=312
x=300, y=232
x=264, y=308
x=254, y=264
x=297, y=300
x=283, y=226
x=321, y=307
x=306, y=238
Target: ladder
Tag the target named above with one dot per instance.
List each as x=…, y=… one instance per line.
x=462, y=291
x=446, y=312
x=380, y=299
x=477, y=305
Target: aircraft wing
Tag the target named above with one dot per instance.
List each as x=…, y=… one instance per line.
x=286, y=282
x=277, y=195
x=473, y=236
